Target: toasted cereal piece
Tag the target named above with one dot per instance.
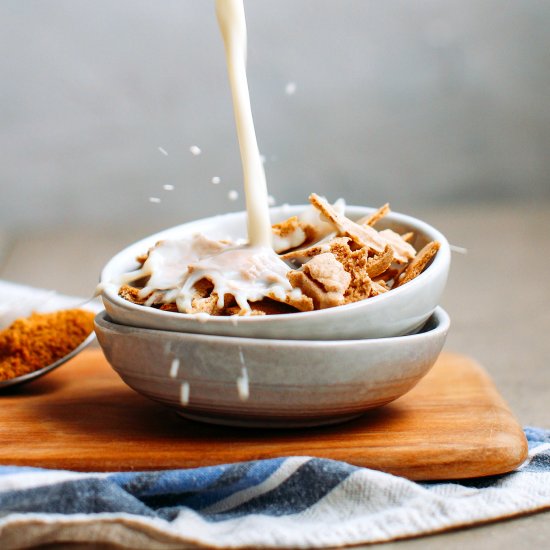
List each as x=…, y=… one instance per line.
x=322, y=229
x=203, y=288
x=321, y=299
x=352, y=260
x=206, y=301
x=131, y=294
x=359, y=289
x=358, y=264
x=233, y=310
x=375, y=216
x=256, y=312
x=141, y=282
x=408, y=237
x=290, y=234
x=239, y=312
x=271, y=307
x=341, y=249
x=402, y=250
x=355, y=262
x=417, y=266
x=362, y=235
x=378, y=287
x=299, y=301
x=302, y=255
x=261, y=307
x=142, y=258
x=204, y=305
x=209, y=304
x=391, y=274
x=376, y=265
x=326, y=270
x=172, y=307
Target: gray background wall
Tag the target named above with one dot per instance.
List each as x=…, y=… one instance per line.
x=417, y=103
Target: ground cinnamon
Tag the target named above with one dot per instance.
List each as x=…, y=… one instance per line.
x=39, y=340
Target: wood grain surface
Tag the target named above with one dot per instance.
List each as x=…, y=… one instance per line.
x=453, y=425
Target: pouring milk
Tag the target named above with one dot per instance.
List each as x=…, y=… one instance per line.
x=249, y=272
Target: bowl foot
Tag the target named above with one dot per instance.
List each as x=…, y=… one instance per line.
x=267, y=422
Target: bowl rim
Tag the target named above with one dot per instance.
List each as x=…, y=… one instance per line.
x=439, y=318
x=440, y=261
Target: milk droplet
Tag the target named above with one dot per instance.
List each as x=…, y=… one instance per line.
x=184, y=393
x=242, y=385
x=168, y=187
x=263, y=158
x=174, y=367
x=458, y=249
x=290, y=88
x=233, y=195
x=216, y=180
x=195, y=150
x=271, y=200
x=242, y=380
x=163, y=151
x=154, y=200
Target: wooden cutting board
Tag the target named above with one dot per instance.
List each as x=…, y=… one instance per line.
x=454, y=424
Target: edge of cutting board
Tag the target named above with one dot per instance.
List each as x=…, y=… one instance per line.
x=453, y=425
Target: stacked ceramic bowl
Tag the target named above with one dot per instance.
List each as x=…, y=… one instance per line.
x=292, y=370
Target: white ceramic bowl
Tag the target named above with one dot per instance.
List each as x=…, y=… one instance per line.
x=400, y=311
x=290, y=383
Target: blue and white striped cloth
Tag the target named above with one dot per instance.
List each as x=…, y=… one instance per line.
x=288, y=502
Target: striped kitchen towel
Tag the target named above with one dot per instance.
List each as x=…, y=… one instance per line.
x=297, y=502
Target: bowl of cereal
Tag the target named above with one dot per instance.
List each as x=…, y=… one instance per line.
x=337, y=273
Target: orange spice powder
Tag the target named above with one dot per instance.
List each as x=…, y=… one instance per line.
x=41, y=339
